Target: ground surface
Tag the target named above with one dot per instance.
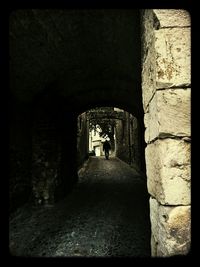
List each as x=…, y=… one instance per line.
x=106, y=214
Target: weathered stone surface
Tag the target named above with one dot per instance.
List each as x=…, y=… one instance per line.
x=154, y=225
x=171, y=229
x=172, y=17
x=169, y=114
x=168, y=171
x=165, y=53
x=173, y=108
x=153, y=246
x=151, y=120
x=148, y=58
x=173, y=56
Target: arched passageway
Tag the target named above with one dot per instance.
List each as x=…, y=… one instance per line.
x=75, y=69
x=95, y=73
x=124, y=131
x=64, y=62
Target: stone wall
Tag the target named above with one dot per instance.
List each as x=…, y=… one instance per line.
x=46, y=158
x=19, y=154
x=128, y=147
x=137, y=149
x=54, y=153
x=122, y=139
x=82, y=139
x=166, y=101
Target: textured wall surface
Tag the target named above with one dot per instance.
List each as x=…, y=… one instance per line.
x=171, y=229
x=82, y=139
x=128, y=147
x=166, y=85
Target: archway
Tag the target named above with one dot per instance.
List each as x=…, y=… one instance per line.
x=62, y=57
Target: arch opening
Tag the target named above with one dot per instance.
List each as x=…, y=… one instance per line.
x=119, y=127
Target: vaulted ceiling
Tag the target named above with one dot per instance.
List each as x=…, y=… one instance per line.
x=86, y=56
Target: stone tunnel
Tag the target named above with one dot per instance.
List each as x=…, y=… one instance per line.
x=64, y=62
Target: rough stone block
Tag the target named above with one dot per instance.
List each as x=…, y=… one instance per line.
x=173, y=107
x=173, y=56
x=148, y=78
x=168, y=171
x=154, y=225
x=169, y=114
x=171, y=229
x=148, y=58
x=151, y=121
x=172, y=17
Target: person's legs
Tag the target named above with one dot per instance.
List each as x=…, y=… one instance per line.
x=106, y=154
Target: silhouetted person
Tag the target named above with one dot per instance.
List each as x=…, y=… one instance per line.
x=106, y=148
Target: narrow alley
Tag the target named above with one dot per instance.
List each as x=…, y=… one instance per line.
x=107, y=214
x=79, y=77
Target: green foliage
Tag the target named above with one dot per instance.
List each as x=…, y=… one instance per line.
x=100, y=118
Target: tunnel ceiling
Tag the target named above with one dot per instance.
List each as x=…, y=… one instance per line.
x=75, y=51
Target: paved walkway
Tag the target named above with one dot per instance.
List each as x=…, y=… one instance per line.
x=106, y=214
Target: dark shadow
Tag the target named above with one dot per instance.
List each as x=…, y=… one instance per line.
x=108, y=216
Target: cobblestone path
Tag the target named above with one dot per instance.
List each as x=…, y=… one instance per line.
x=106, y=214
